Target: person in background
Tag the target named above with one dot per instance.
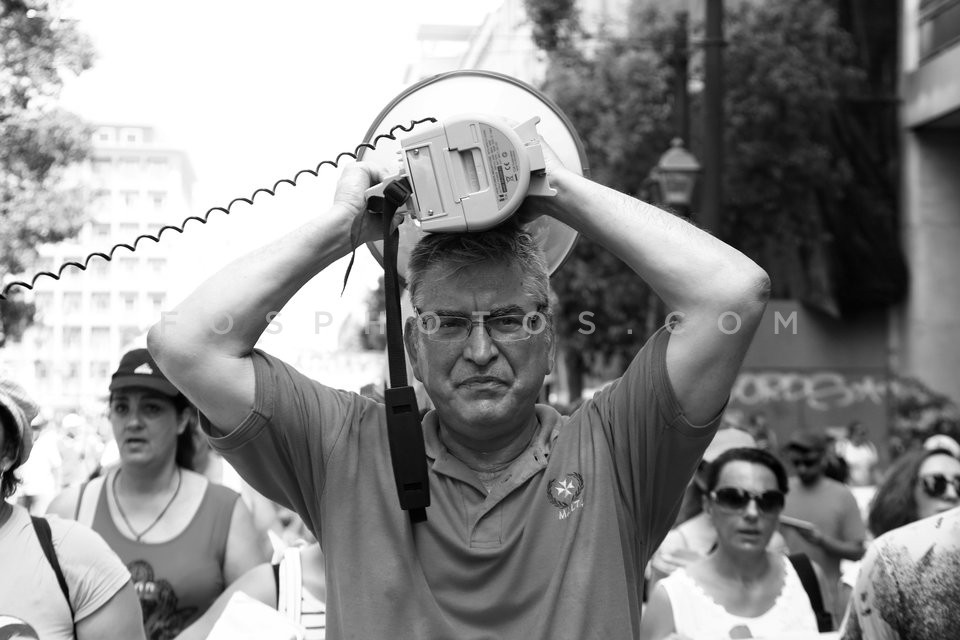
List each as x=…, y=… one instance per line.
x=860, y=455
x=759, y=428
x=96, y=599
x=918, y=485
x=741, y=590
x=183, y=538
x=79, y=450
x=695, y=538
x=837, y=532
x=42, y=472
x=295, y=585
x=909, y=583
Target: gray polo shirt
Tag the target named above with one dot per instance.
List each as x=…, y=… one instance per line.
x=555, y=550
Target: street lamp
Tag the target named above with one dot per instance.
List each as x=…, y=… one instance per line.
x=676, y=176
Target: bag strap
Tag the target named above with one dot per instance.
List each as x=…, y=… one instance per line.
x=42, y=528
x=808, y=578
x=87, y=501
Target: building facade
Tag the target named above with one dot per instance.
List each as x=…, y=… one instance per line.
x=929, y=323
x=86, y=319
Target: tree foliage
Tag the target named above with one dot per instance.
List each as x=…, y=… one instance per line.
x=808, y=166
x=37, y=49
x=619, y=101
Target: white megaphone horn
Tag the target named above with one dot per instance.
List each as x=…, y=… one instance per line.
x=473, y=167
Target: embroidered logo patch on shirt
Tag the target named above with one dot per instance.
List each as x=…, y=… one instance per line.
x=564, y=493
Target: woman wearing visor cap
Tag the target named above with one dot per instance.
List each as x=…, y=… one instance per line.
x=183, y=538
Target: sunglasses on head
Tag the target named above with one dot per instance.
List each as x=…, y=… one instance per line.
x=737, y=499
x=935, y=484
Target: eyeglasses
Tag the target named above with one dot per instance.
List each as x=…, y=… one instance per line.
x=737, y=499
x=501, y=328
x=935, y=484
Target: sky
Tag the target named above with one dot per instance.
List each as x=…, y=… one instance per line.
x=254, y=92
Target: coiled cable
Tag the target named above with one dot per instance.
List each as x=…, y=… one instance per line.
x=315, y=172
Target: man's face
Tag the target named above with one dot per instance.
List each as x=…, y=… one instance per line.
x=807, y=463
x=483, y=389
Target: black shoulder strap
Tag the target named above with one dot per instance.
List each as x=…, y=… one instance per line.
x=76, y=511
x=808, y=578
x=276, y=580
x=45, y=536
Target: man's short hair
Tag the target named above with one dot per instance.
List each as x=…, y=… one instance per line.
x=506, y=243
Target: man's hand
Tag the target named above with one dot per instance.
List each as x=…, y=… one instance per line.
x=535, y=206
x=350, y=201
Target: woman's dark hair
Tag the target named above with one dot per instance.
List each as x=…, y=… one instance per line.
x=746, y=454
x=186, y=441
x=186, y=445
x=11, y=445
x=894, y=504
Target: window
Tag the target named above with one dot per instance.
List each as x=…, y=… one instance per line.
x=153, y=228
x=104, y=135
x=131, y=135
x=128, y=334
x=42, y=335
x=128, y=300
x=99, y=338
x=127, y=265
x=43, y=299
x=129, y=163
x=129, y=198
x=41, y=369
x=129, y=229
x=72, y=370
x=157, y=300
x=71, y=338
x=99, y=369
x=71, y=301
x=99, y=267
x=158, y=198
x=101, y=230
x=100, y=300
x=101, y=163
x=157, y=265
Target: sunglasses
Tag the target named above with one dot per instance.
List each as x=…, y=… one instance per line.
x=805, y=462
x=935, y=484
x=737, y=499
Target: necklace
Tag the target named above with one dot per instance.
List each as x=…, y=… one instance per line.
x=163, y=512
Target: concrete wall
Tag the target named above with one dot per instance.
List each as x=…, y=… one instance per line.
x=807, y=370
x=929, y=331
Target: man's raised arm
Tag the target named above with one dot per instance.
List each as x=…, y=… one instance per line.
x=716, y=293
x=211, y=365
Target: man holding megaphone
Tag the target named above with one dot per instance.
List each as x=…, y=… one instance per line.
x=539, y=525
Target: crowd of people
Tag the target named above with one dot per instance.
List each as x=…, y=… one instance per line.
x=633, y=516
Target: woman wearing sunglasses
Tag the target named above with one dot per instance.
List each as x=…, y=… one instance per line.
x=918, y=485
x=741, y=590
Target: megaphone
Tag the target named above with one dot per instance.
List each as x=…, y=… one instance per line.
x=460, y=178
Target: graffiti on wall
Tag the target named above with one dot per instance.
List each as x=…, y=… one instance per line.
x=818, y=391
